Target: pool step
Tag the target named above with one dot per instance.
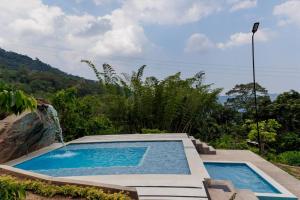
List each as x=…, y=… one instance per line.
x=202, y=147
x=176, y=193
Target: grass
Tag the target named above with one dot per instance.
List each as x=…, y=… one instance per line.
x=292, y=170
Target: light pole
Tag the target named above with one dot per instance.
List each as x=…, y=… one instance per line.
x=254, y=29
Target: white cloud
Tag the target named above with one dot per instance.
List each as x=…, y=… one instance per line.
x=40, y=20
x=101, y=2
x=198, y=42
x=241, y=4
x=120, y=32
x=1, y=41
x=289, y=12
x=96, y=2
x=14, y=14
x=55, y=36
x=239, y=39
x=35, y=23
x=169, y=11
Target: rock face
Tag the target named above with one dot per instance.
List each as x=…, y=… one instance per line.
x=25, y=133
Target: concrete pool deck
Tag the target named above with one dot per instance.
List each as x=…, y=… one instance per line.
x=289, y=182
x=149, y=186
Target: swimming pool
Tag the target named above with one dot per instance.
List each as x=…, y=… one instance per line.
x=247, y=176
x=110, y=158
x=241, y=176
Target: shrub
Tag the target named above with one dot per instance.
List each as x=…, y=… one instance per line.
x=229, y=142
x=267, y=131
x=290, y=158
x=14, y=189
x=149, y=131
x=288, y=141
x=10, y=189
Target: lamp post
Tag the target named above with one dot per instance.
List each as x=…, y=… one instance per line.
x=254, y=29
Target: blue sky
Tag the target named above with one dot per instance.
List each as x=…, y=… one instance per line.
x=166, y=35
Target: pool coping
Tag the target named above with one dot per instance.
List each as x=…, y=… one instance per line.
x=284, y=193
x=197, y=170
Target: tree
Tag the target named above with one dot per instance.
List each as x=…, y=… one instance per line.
x=286, y=110
x=172, y=104
x=81, y=116
x=267, y=131
x=241, y=99
x=13, y=101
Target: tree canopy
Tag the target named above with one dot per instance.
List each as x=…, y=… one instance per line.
x=13, y=101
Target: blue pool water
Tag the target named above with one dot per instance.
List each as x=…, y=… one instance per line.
x=158, y=157
x=241, y=176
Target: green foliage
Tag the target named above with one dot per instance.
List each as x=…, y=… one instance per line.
x=230, y=142
x=241, y=99
x=288, y=141
x=81, y=116
x=173, y=104
x=43, y=83
x=290, y=158
x=14, y=189
x=286, y=110
x=267, y=131
x=152, y=131
x=14, y=101
x=10, y=189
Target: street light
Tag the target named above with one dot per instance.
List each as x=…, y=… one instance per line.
x=254, y=29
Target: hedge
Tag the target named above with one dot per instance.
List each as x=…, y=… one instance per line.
x=12, y=188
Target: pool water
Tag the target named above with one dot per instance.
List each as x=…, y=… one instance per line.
x=97, y=157
x=108, y=158
x=241, y=176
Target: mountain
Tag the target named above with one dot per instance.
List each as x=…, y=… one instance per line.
x=223, y=99
x=38, y=78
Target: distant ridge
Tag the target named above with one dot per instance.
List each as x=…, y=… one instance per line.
x=14, y=60
x=39, y=78
x=223, y=98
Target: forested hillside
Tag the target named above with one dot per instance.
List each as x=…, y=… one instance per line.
x=38, y=78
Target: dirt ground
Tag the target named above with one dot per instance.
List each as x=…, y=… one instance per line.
x=293, y=170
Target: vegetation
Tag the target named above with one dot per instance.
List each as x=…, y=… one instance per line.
x=132, y=105
x=267, y=131
x=152, y=131
x=14, y=101
x=10, y=189
x=15, y=189
x=230, y=142
x=81, y=116
x=40, y=79
x=290, y=158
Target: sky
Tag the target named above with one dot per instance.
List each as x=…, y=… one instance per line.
x=168, y=36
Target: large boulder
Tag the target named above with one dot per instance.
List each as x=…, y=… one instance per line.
x=27, y=132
